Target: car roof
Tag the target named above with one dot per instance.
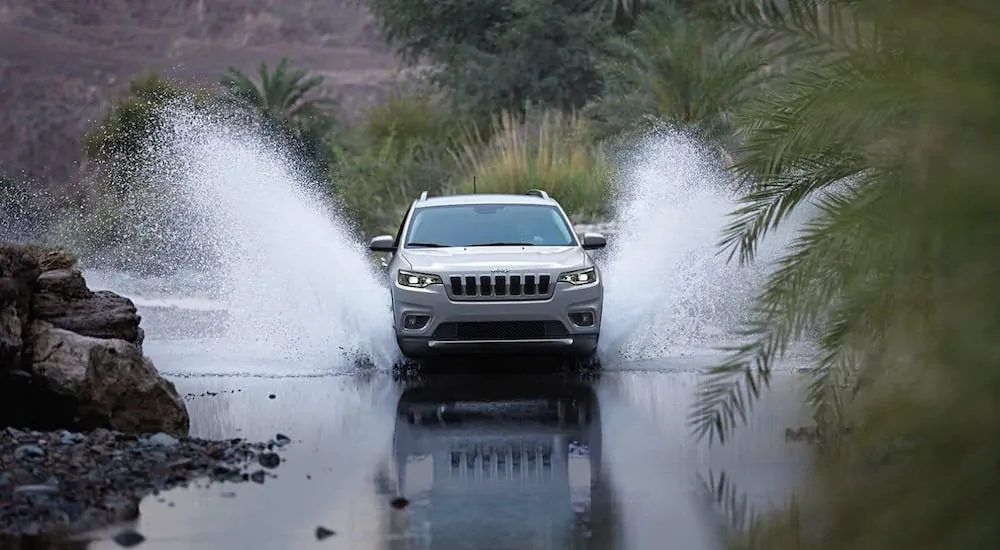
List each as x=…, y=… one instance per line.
x=452, y=200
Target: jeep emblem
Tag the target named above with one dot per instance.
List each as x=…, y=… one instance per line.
x=497, y=269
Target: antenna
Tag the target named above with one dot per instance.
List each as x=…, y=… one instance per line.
x=474, y=191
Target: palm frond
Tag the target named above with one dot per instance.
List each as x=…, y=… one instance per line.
x=822, y=262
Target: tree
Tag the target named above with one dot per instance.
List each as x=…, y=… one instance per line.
x=501, y=55
x=132, y=219
x=678, y=68
x=877, y=123
x=288, y=103
x=126, y=130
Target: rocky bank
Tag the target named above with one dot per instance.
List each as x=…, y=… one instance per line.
x=88, y=427
x=71, y=358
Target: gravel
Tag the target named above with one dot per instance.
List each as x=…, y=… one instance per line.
x=64, y=483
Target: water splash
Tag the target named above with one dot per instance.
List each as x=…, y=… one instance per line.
x=295, y=285
x=668, y=291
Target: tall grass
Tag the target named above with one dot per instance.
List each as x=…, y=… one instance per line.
x=399, y=149
x=554, y=152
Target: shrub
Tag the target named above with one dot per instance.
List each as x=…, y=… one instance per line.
x=129, y=219
x=554, y=152
x=398, y=150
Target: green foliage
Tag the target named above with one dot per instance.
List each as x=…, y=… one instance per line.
x=678, y=68
x=124, y=134
x=501, y=55
x=411, y=117
x=22, y=214
x=884, y=116
x=554, y=153
x=288, y=104
x=398, y=150
x=131, y=219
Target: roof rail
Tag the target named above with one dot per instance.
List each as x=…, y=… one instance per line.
x=423, y=196
x=537, y=193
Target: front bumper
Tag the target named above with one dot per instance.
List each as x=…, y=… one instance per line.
x=439, y=338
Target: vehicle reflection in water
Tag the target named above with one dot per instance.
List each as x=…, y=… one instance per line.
x=499, y=463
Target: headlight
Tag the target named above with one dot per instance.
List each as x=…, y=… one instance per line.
x=416, y=280
x=581, y=277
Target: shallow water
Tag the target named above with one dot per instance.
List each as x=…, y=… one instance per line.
x=501, y=460
x=496, y=460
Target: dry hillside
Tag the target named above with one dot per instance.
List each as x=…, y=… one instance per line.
x=61, y=61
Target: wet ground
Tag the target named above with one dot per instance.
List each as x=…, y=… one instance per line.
x=503, y=459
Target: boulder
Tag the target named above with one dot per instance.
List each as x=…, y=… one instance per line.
x=63, y=299
x=18, y=275
x=110, y=381
x=71, y=358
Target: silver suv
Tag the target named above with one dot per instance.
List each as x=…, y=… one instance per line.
x=490, y=274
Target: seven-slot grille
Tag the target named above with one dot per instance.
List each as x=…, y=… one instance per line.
x=520, y=463
x=516, y=286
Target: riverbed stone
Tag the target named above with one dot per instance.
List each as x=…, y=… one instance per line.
x=64, y=300
x=110, y=381
x=102, y=479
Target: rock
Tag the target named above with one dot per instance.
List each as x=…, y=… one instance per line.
x=73, y=489
x=161, y=438
x=323, y=532
x=52, y=257
x=109, y=380
x=64, y=300
x=25, y=451
x=269, y=460
x=36, y=490
x=399, y=503
x=129, y=538
x=18, y=277
x=282, y=440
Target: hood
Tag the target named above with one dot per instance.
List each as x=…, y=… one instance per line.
x=484, y=258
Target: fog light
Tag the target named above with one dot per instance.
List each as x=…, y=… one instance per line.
x=582, y=318
x=415, y=322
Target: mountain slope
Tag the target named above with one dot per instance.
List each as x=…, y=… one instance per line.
x=63, y=61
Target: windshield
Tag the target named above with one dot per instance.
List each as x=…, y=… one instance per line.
x=489, y=225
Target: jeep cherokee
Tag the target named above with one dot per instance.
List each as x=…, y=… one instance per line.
x=484, y=274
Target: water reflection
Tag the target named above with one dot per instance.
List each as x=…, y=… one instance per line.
x=511, y=460
x=499, y=462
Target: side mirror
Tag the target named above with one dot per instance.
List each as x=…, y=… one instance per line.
x=594, y=241
x=383, y=243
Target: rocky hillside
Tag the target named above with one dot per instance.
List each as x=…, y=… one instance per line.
x=61, y=61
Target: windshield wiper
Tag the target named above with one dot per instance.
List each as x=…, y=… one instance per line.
x=504, y=244
x=427, y=245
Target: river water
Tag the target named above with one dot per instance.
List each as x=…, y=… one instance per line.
x=287, y=331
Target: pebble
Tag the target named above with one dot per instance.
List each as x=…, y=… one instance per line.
x=161, y=438
x=62, y=482
x=269, y=460
x=129, y=538
x=323, y=532
x=399, y=503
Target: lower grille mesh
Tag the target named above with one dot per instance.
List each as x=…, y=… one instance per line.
x=501, y=330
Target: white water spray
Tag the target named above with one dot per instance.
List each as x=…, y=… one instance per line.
x=668, y=289
x=296, y=287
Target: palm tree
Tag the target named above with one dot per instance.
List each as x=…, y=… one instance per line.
x=677, y=68
x=287, y=100
x=886, y=119
x=282, y=93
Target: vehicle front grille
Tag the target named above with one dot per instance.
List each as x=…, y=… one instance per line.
x=511, y=286
x=501, y=330
x=520, y=464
